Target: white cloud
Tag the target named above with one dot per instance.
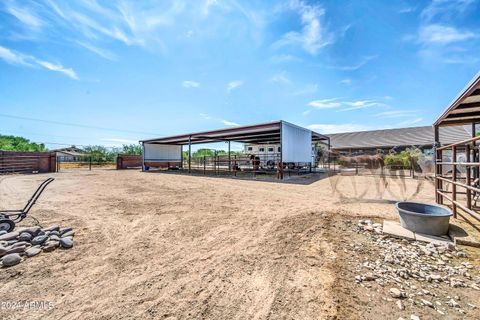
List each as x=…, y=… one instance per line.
x=346, y=81
x=336, y=103
x=58, y=68
x=98, y=51
x=410, y=122
x=356, y=66
x=190, y=84
x=232, y=85
x=360, y=104
x=445, y=9
x=338, y=128
x=25, y=16
x=223, y=121
x=229, y=123
x=12, y=57
x=313, y=35
x=18, y=58
x=325, y=103
x=439, y=34
x=91, y=28
x=280, y=77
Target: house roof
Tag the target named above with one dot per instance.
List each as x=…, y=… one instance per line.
x=262, y=133
x=388, y=138
x=465, y=108
x=73, y=151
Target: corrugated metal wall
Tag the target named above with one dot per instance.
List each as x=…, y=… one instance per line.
x=296, y=143
x=162, y=152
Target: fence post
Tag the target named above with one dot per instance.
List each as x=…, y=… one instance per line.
x=468, y=177
x=90, y=163
x=235, y=165
x=454, y=179
x=412, y=168
x=204, y=164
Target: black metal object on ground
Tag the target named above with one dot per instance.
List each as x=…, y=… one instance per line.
x=8, y=218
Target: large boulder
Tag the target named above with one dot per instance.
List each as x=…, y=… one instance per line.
x=66, y=243
x=34, y=231
x=25, y=236
x=50, y=246
x=70, y=233
x=52, y=228
x=11, y=259
x=39, y=239
x=9, y=236
x=33, y=251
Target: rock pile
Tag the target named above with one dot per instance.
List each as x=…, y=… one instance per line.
x=29, y=242
x=412, y=271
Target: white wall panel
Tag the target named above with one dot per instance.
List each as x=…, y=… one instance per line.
x=162, y=152
x=296, y=143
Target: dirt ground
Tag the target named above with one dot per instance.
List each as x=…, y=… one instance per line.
x=171, y=246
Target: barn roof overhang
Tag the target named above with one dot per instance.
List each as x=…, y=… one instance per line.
x=262, y=133
x=465, y=108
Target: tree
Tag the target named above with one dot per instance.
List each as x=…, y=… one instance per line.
x=20, y=144
x=131, y=149
x=101, y=153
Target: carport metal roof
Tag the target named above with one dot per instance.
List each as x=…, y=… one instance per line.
x=262, y=133
x=465, y=108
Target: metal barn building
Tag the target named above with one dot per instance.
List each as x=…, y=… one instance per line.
x=400, y=139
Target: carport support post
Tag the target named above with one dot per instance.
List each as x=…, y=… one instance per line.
x=328, y=155
x=143, y=156
x=280, y=163
x=189, y=154
x=181, y=157
x=229, y=158
x=438, y=167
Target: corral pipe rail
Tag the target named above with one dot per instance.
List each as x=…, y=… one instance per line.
x=452, y=173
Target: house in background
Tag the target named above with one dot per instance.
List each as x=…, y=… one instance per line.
x=366, y=142
x=69, y=154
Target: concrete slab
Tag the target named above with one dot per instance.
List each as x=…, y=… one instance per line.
x=460, y=236
x=394, y=229
x=431, y=239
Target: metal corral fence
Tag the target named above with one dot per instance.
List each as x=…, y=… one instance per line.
x=457, y=179
x=374, y=164
x=27, y=162
x=84, y=163
x=235, y=165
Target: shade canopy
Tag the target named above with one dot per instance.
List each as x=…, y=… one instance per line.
x=263, y=133
x=465, y=108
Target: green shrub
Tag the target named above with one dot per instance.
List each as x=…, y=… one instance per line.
x=403, y=159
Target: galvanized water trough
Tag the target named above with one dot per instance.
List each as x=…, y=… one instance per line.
x=424, y=218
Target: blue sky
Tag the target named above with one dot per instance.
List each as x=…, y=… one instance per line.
x=113, y=72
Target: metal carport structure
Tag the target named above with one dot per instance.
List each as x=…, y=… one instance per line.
x=295, y=143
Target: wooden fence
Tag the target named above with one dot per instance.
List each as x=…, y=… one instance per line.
x=464, y=174
x=27, y=162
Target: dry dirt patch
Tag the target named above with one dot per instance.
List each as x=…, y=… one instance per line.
x=155, y=246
